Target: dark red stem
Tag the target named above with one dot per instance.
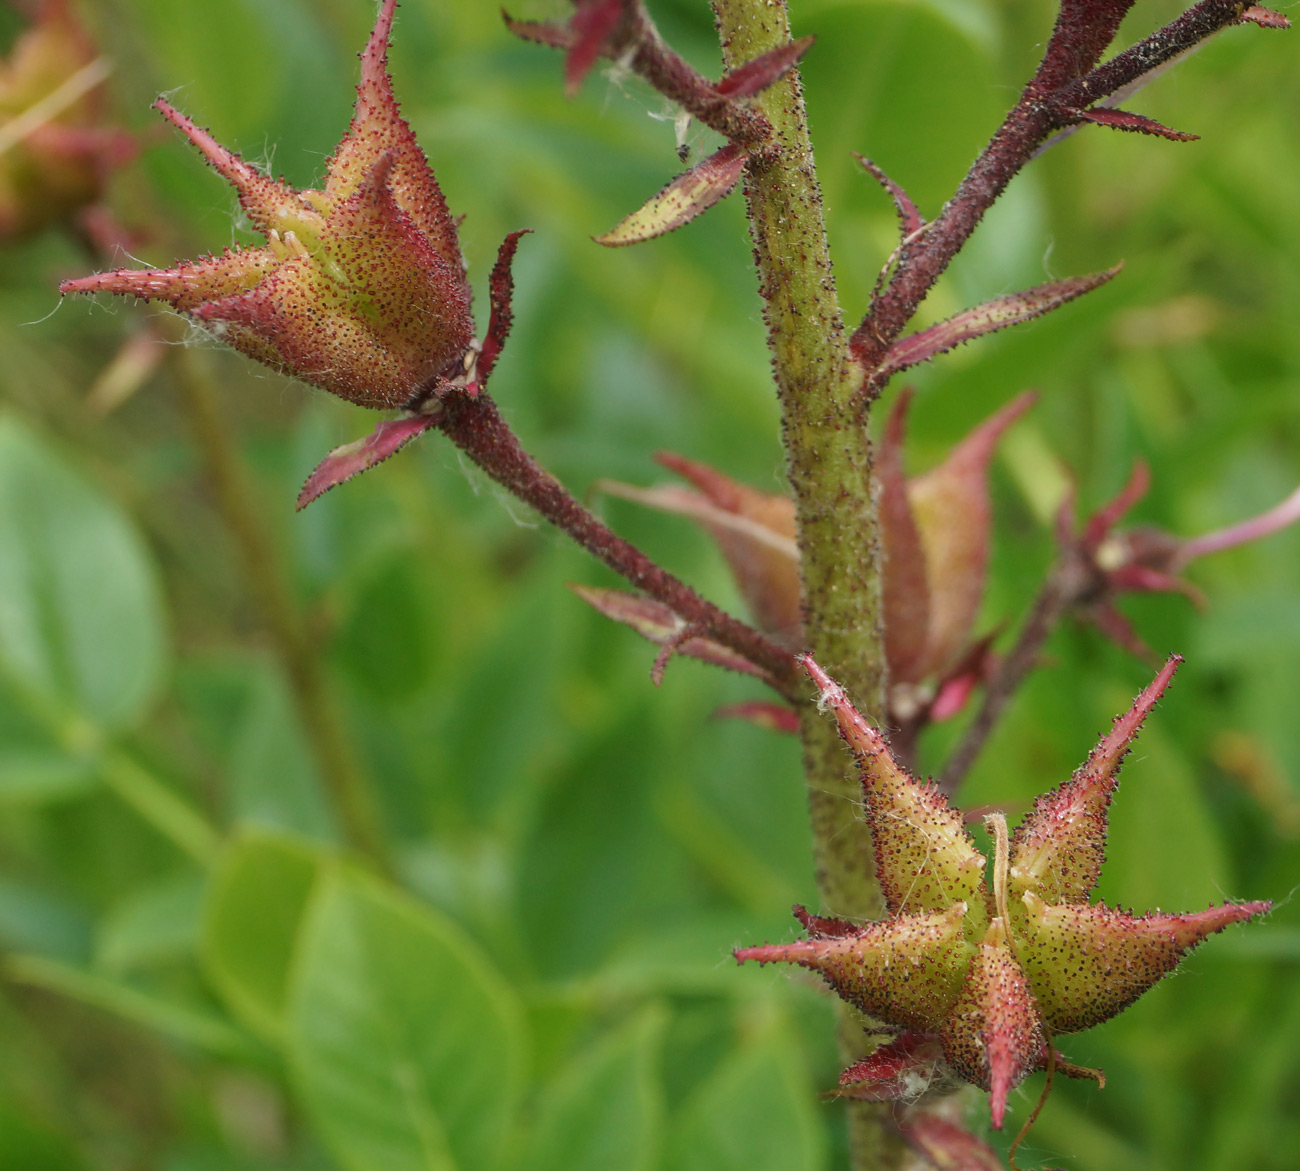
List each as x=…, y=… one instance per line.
x=474, y=424
x=1066, y=82
x=680, y=82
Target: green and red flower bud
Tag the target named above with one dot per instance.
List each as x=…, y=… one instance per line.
x=360, y=288
x=989, y=968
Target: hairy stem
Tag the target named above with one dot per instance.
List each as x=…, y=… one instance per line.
x=475, y=426
x=829, y=464
x=349, y=789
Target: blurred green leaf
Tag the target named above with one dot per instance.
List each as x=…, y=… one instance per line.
x=27, y=1143
x=273, y=779
x=258, y=897
x=160, y=922
x=605, y=1108
x=757, y=1111
x=407, y=1048
x=36, y=919
x=82, y=621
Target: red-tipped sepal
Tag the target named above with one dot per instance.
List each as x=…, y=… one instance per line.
x=1000, y=313
x=925, y=858
x=689, y=195
x=902, y=1069
x=362, y=454
x=1087, y=963
x=993, y=1037
x=906, y=971
x=1058, y=849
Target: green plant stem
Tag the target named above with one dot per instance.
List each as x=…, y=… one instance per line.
x=348, y=787
x=829, y=464
x=170, y=815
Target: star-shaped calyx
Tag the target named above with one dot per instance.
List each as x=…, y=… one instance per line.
x=992, y=967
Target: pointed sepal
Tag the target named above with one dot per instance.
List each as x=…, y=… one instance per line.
x=766, y=69
x=1000, y=313
x=267, y=202
x=907, y=970
x=686, y=197
x=902, y=1069
x=1058, y=849
x=1088, y=963
x=363, y=454
x=925, y=858
x=993, y=1037
x=377, y=129
x=1134, y=123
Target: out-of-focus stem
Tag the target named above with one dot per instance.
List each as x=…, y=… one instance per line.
x=349, y=790
x=1278, y=517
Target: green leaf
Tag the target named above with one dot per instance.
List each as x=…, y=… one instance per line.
x=757, y=1111
x=258, y=897
x=81, y=624
x=28, y=1142
x=158, y=923
x=606, y=1108
x=38, y=919
x=405, y=1044
x=272, y=774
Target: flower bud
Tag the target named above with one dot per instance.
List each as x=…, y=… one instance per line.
x=360, y=287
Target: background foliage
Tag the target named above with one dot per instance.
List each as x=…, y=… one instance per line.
x=197, y=975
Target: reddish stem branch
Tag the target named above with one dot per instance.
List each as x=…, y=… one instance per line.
x=635, y=42
x=1065, y=83
x=680, y=82
x=475, y=425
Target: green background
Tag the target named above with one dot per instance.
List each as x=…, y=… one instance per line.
x=199, y=978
